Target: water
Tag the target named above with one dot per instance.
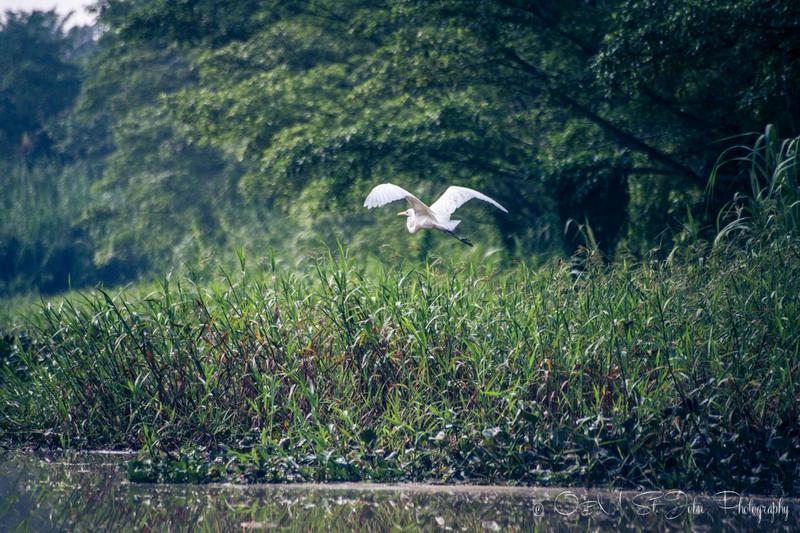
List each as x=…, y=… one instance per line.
x=83, y=492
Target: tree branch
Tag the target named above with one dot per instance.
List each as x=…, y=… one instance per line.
x=623, y=137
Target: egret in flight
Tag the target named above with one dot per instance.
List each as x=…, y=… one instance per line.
x=420, y=216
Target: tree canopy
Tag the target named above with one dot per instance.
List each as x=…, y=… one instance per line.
x=210, y=120
x=40, y=79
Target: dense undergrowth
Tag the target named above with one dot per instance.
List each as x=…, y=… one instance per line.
x=666, y=374
x=682, y=372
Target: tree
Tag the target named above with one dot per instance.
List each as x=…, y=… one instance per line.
x=562, y=110
x=38, y=83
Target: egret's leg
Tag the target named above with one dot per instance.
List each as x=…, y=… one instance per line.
x=453, y=235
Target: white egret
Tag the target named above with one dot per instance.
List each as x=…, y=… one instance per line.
x=420, y=216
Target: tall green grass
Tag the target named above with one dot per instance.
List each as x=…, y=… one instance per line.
x=659, y=374
x=44, y=245
x=676, y=373
x=772, y=168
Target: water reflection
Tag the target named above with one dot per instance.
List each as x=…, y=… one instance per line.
x=90, y=492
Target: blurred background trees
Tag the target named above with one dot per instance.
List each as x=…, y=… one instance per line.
x=179, y=129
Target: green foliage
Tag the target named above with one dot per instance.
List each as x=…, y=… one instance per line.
x=551, y=107
x=660, y=373
x=772, y=167
x=163, y=194
x=38, y=82
x=669, y=373
x=201, y=130
x=42, y=242
x=205, y=126
x=44, y=245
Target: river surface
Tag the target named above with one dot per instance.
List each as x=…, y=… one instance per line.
x=90, y=492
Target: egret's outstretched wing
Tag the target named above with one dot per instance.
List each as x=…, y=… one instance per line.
x=454, y=197
x=386, y=193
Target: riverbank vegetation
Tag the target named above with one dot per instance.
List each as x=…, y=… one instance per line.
x=663, y=373
x=212, y=293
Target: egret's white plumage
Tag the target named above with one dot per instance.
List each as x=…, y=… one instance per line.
x=420, y=216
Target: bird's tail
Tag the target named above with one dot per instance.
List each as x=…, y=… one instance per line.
x=451, y=225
